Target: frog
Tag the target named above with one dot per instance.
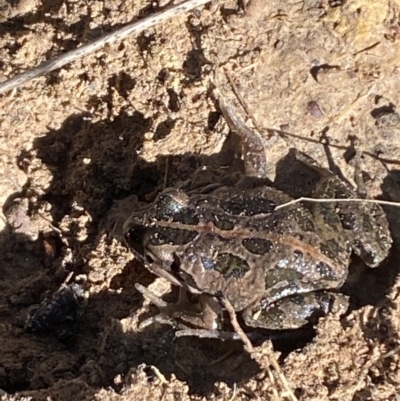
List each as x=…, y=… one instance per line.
x=278, y=263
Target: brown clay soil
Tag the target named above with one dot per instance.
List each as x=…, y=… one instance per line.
x=77, y=145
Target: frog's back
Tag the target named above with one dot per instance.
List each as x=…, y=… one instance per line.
x=246, y=249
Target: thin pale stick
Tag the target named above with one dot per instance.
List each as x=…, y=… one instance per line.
x=158, y=374
x=273, y=383
x=234, y=392
x=203, y=333
x=285, y=383
x=242, y=101
x=345, y=200
x=259, y=356
x=391, y=353
x=235, y=324
x=66, y=281
x=156, y=300
x=69, y=57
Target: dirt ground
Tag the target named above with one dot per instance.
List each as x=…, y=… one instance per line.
x=77, y=145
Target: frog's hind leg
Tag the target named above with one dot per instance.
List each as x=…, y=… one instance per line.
x=296, y=310
x=165, y=315
x=184, y=314
x=364, y=224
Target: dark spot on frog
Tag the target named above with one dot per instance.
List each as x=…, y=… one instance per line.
x=173, y=236
x=186, y=216
x=232, y=208
x=330, y=248
x=367, y=226
x=348, y=220
x=279, y=275
x=326, y=272
x=222, y=223
x=260, y=206
x=134, y=238
x=331, y=218
x=305, y=223
x=298, y=254
x=231, y=266
x=257, y=246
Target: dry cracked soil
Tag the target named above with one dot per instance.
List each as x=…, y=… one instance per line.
x=81, y=144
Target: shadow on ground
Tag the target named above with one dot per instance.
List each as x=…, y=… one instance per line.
x=93, y=165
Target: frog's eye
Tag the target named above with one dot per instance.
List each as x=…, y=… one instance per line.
x=171, y=207
x=168, y=203
x=134, y=237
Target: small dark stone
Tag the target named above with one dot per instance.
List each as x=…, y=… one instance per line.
x=336, y=3
x=314, y=109
x=57, y=314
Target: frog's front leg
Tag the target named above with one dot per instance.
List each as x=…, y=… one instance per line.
x=205, y=314
x=296, y=310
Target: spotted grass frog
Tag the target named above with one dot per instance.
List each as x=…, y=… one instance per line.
x=278, y=266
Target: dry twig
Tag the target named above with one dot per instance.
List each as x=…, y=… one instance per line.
x=344, y=200
x=235, y=324
x=69, y=57
x=242, y=102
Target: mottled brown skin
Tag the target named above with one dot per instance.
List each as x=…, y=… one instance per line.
x=275, y=266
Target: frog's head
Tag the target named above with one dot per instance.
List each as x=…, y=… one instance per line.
x=157, y=233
